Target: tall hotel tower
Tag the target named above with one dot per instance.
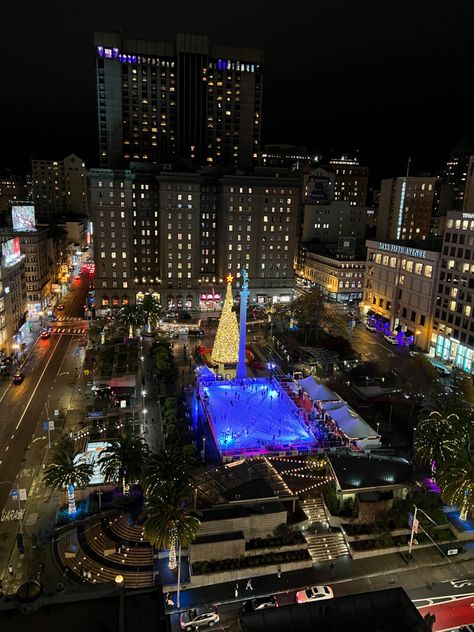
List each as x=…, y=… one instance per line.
x=181, y=104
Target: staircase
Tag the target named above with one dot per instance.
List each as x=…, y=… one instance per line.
x=326, y=546
x=314, y=509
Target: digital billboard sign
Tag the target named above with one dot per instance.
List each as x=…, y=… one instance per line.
x=23, y=217
x=11, y=250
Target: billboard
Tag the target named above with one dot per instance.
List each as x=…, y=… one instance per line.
x=23, y=217
x=11, y=250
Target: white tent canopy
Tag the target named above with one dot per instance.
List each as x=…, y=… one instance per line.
x=318, y=392
x=351, y=424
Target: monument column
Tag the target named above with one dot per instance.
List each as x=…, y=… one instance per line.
x=244, y=292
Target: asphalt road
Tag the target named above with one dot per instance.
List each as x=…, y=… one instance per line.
x=50, y=370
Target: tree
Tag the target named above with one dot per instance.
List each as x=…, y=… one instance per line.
x=124, y=459
x=456, y=479
x=68, y=469
x=170, y=467
x=438, y=439
x=150, y=309
x=226, y=343
x=169, y=521
x=132, y=316
x=310, y=311
x=102, y=327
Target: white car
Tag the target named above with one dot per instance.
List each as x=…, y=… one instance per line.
x=197, y=618
x=370, y=327
x=393, y=340
x=314, y=593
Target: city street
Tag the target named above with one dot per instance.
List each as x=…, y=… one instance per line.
x=51, y=369
x=432, y=589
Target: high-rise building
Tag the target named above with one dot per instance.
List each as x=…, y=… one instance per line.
x=13, y=189
x=455, y=171
x=13, y=302
x=60, y=186
x=453, y=332
x=412, y=207
x=468, y=198
x=350, y=180
x=189, y=102
x=178, y=235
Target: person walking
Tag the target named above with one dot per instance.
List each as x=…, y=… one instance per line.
x=10, y=570
x=278, y=571
x=249, y=585
x=236, y=591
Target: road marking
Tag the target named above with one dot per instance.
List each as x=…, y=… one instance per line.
x=7, y=448
x=13, y=436
x=37, y=384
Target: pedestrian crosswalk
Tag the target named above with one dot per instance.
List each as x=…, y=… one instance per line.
x=68, y=330
x=61, y=319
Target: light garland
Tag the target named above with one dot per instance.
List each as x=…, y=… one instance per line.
x=226, y=343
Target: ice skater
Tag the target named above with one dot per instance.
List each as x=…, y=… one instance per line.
x=249, y=585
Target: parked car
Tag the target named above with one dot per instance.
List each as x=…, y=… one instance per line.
x=314, y=593
x=370, y=327
x=393, y=340
x=199, y=618
x=18, y=378
x=259, y=603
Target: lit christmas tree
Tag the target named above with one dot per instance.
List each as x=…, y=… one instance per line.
x=226, y=344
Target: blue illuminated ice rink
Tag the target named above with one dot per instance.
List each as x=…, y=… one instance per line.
x=254, y=415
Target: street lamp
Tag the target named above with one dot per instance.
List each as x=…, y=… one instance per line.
x=417, y=333
x=119, y=581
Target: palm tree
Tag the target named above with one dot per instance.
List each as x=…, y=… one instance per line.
x=124, y=459
x=456, y=479
x=438, y=438
x=101, y=328
x=170, y=522
x=131, y=316
x=151, y=310
x=169, y=467
x=68, y=469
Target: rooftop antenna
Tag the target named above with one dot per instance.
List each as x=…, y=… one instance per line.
x=408, y=166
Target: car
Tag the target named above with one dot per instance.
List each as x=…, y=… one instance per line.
x=314, y=593
x=196, y=332
x=370, y=327
x=78, y=277
x=45, y=334
x=393, y=340
x=101, y=388
x=259, y=603
x=60, y=307
x=18, y=378
x=197, y=618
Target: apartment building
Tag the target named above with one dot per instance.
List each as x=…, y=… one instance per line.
x=60, y=186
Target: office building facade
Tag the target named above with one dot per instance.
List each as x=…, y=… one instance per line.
x=178, y=235
x=187, y=102
x=400, y=289
x=13, y=303
x=60, y=186
x=350, y=180
x=453, y=332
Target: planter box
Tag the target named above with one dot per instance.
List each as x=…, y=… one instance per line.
x=276, y=549
x=243, y=573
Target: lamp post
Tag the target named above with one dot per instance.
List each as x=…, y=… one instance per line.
x=119, y=581
x=417, y=333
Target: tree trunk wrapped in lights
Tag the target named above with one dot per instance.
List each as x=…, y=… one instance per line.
x=226, y=344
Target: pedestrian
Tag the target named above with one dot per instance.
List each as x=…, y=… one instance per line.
x=249, y=585
x=169, y=601
x=278, y=571
x=41, y=565
x=236, y=590
x=332, y=565
x=89, y=575
x=10, y=571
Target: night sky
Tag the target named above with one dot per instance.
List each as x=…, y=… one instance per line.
x=389, y=78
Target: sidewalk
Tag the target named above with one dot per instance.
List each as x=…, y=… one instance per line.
x=29, y=340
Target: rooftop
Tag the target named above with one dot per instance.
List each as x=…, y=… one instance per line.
x=240, y=511
x=369, y=471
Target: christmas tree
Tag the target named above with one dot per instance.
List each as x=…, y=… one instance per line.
x=226, y=344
